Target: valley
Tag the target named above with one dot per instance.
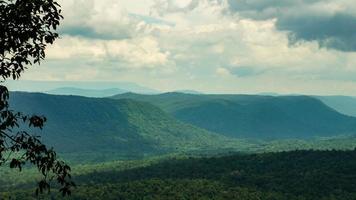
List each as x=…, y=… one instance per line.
x=193, y=146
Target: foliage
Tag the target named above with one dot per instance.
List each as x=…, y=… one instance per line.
x=296, y=175
x=26, y=27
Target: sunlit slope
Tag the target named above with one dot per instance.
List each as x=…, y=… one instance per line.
x=253, y=116
x=79, y=124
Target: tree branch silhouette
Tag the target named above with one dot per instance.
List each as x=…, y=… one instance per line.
x=26, y=28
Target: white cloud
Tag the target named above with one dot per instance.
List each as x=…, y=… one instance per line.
x=146, y=40
x=135, y=53
x=223, y=71
x=106, y=19
x=141, y=52
x=68, y=47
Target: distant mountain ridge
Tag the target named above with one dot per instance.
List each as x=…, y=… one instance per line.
x=188, y=91
x=86, y=92
x=42, y=86
x=253, y=116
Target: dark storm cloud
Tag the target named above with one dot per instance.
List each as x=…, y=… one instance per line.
x=335, y=30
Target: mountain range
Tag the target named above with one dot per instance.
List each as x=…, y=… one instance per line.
x=135, y=125
x=124, y=127
x=253, y=116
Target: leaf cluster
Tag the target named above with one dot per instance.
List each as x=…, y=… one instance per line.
x=26, y=28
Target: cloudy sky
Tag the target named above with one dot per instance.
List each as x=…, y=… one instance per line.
x=220, y=46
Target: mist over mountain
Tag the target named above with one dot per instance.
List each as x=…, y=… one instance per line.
x=254, y=116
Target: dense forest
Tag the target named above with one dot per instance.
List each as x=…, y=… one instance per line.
x=306, y=175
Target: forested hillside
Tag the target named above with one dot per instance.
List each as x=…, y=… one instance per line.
x=100, y=129
x=296, y=175
x=252, y=116
x=121, y=128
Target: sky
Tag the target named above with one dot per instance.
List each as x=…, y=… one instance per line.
x=212, y=46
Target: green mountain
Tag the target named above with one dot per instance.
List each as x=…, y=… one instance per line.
x=253, y=116
x=86, y=92
x=124, y=127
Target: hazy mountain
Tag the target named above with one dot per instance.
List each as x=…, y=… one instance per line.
x=343, y=104
x=252, y=116
x=87, y=92
x=127, y=127
x=42, y=86
x=268, y=94
x=188, y=91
